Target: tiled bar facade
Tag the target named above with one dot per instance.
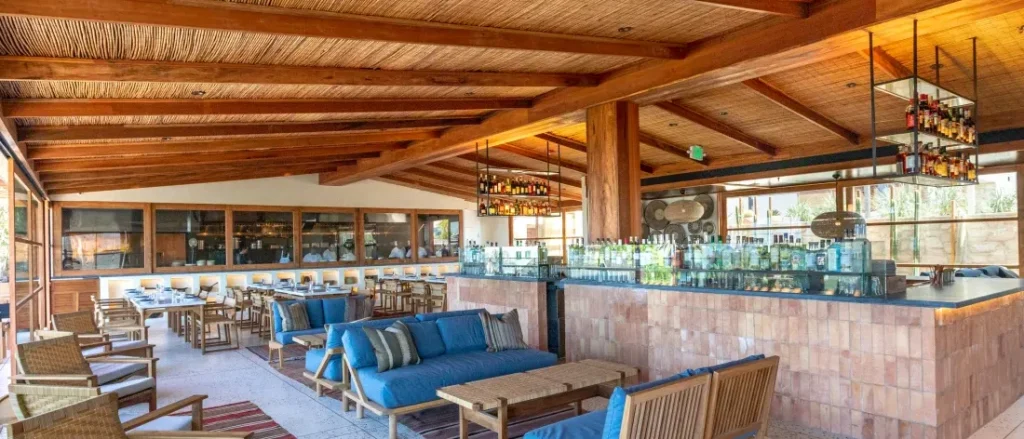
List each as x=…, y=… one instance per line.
x=529, y=297
x=860, y=370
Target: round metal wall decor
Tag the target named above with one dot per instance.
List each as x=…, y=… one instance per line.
x=708, y=203
x=693, y=228
x=675, y=232
x=833, y=225
x=654, y=214
x=708, y=227
x=685, y=211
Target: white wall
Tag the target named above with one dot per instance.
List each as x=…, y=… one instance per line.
x=304, y=190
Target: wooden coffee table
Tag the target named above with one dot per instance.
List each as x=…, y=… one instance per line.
x=492, y=402
x=312, y=341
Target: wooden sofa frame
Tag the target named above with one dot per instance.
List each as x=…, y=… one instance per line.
x=721, y=405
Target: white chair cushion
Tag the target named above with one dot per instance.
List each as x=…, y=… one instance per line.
x=107, y=372
x=128, y=387
x=166, y=423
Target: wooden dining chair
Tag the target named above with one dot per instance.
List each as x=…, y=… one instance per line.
x=85, y=416
x=389, y=294
x=219, y=318
x=373, y=290
x=438, y=296
x=420, y=297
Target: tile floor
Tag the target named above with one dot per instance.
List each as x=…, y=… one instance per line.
x=239, y=375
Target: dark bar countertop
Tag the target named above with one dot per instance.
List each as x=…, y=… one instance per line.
x=963, y=292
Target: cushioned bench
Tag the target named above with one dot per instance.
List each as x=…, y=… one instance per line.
x=452, y=348
x=726, y=401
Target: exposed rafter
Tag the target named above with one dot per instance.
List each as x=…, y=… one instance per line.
x=576, y=145
x=666, y=146
x=719, y=127
x=244, y=18
x=35, y=134
x=74, y=151
x=775, y=95
x=170, y=173
x=886, y=63
x=498, y=163
x=184, y=179
x=254, y=158
x=16, y=68
x=429, y=187
x=194, y=107
x=797, y=9
x=541, y=157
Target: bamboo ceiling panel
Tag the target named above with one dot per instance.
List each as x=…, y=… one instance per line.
x=676, y=21
x=240, y=118
x=568, y=155
x=78, y=39
x=152, y=90
x=658, y=122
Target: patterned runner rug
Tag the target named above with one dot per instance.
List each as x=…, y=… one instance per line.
x=242, y=416
x=292, y=352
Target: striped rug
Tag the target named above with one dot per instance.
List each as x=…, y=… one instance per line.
x=242, y=416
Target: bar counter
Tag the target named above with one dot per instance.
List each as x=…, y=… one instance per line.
x=933, y=363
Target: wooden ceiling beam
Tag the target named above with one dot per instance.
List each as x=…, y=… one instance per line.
x=785, y=101
x=75, y=151
x=833, y=29
x=18, y=68
x=416, y=184
x=578, y=146
x=194, y=179
x=234, y=167
x=664, y=145
x=541, y=157
x=9, y=135
x=36, y=134
x=886, y=63
x=114, y=177
x=498, y=163
x=456, y=170
x=254, y=158
x=679, y=110
x=220, y=16
x=196, y=107
x=470, y=182
x=775, y=7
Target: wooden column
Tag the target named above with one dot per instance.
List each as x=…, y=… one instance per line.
x=613, y=170
x=1020, y=218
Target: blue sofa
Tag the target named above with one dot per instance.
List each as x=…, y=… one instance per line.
x=453, y=351
x=608, y=424
x=321, y=312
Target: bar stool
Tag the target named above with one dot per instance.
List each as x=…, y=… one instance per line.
x=420, y=297
x=438, y=296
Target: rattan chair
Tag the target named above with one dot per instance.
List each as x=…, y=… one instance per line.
x=59, y=361
x=96, y=417
x=96, y=339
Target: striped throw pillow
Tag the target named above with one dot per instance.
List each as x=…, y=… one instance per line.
x=293, y=316
x=393, y=346
x=503, y=334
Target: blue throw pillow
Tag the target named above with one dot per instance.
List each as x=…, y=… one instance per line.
x=428, y=339
x=617, y=403
x=462, y=334
x=358, y=348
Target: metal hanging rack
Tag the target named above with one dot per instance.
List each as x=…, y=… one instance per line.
x=909, y=88
x=486, y=200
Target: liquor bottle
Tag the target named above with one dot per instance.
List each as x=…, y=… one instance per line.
x=483, y=209
x=821, y=256
x=901, y=159
x=846, y=252
x=972, y=173
x=922, y=112
x=833, y=251
x=773, y=254
x=764, y=254
x=910, y=115
x=798, y=255
x=785, y=253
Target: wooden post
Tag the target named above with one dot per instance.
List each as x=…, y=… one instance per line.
x=1020, y=217
x=613, y=170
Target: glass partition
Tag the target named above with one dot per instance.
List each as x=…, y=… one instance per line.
x=387, y=237
x=328, y=237
x=437, y=235
x=100, y=239
x=263, y=237
x=186, y=238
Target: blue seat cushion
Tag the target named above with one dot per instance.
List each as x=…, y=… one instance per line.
x=357, y=347
x=440, y=315
x=286, y=337
x=427, y=337
x=334, y=310
x=333, y=369
x=463, y=333
x=419, y=383
x=586, y=426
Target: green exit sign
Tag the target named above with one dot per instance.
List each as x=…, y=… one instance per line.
x=697, y=152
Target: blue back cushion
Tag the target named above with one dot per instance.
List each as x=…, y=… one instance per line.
x=440, y=315
x=463, y=333
x=277, y=316
x=358, y=349
x=427, y=337
x=617, y=403
x=315, y=311
x=334, y=310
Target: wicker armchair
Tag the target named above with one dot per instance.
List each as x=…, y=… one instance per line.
x=96, y=339
x=96, y=417
x=59, y=361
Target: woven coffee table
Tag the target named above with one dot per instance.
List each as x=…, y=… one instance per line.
x=492, y=402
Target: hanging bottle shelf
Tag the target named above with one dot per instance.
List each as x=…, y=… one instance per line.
x=510, y=192
x=903, y=88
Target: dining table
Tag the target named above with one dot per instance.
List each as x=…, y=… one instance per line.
x=169, y=302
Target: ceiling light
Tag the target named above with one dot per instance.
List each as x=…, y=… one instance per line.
x=625, y=29
x=198, y=93
x=724, y=113
x=851, y=84
x=673, y=124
